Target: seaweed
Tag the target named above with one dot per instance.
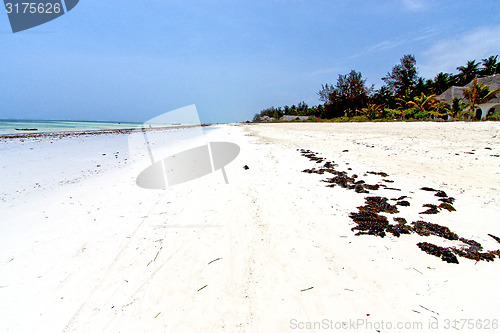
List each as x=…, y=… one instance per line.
x=372, y=187
x=400, y=228
x=495, y=237
x=392, y=188
x=496, y=252
x=426, y=229
x=433, y=209
x=441, y=194
x=447, y=206
x=444, y=253
x=379, y=204
x=473, y=254
x=369, y=223
x=359, y=188
x=400, y=220
x=342, y=180
x=471, y=243
x=448, y=200
x=382, y=174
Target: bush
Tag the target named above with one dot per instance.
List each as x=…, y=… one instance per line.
x=359, y=119
x=383, y=120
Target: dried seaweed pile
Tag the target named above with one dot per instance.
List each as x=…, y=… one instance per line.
x=340, y=178
x=370, y=222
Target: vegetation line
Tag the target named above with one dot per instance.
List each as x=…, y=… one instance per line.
x=404, y=96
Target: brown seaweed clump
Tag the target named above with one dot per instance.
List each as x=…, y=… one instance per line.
x=369, y=223
x=495, y=237
x=430, y=189
x=472, y=243
x=400, y=228
x=381, y=174
x=400, y=220
x=447, y=206
x=473, y=254
x=379, y=204
x=403, y=203
x=426, y=229
x=496, y=252
x=448, y=200
x=433, y=209
x=373, y=187
x=443, y=252
x=341, y=179
x=441, y=194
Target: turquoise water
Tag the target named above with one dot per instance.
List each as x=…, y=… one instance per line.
x=8, y=126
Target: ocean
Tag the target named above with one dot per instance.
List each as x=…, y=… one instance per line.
x=20, y=126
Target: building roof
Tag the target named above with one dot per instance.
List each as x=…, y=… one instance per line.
x=288, y=117
x=493, y=81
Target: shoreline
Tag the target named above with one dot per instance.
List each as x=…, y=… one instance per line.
x=94, y=132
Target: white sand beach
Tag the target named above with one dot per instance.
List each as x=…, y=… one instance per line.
x=84, y=249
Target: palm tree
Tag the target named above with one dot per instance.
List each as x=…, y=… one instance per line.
x=442, y=81
x=440, y=109
x=423, y=103
x=478, y=93
x=490, y=66
x=403, y=103
x=458, y=108
x=372, y=111
x=468, y=72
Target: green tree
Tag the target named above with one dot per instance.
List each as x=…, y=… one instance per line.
x=325, y=92
x=302, y=109
x=382, y=96
x=403, y=75
x=468, y=72
x=457, y=107
x=423, y=102
x=372, y=111
x=403, y=104
x=490, y=66
x=350, y=92
x=478, y=93
x=442, y=81
x=439, y=110
x=423, y=86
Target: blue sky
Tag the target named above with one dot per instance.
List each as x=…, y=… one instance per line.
x=131, y=60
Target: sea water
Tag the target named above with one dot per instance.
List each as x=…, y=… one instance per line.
x=19, y=126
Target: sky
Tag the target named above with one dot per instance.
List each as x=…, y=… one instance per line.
x=132, y=60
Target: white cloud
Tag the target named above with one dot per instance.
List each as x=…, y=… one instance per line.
x=414, y=5
x=447, y=54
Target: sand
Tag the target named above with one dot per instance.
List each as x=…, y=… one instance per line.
x=83, y=249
